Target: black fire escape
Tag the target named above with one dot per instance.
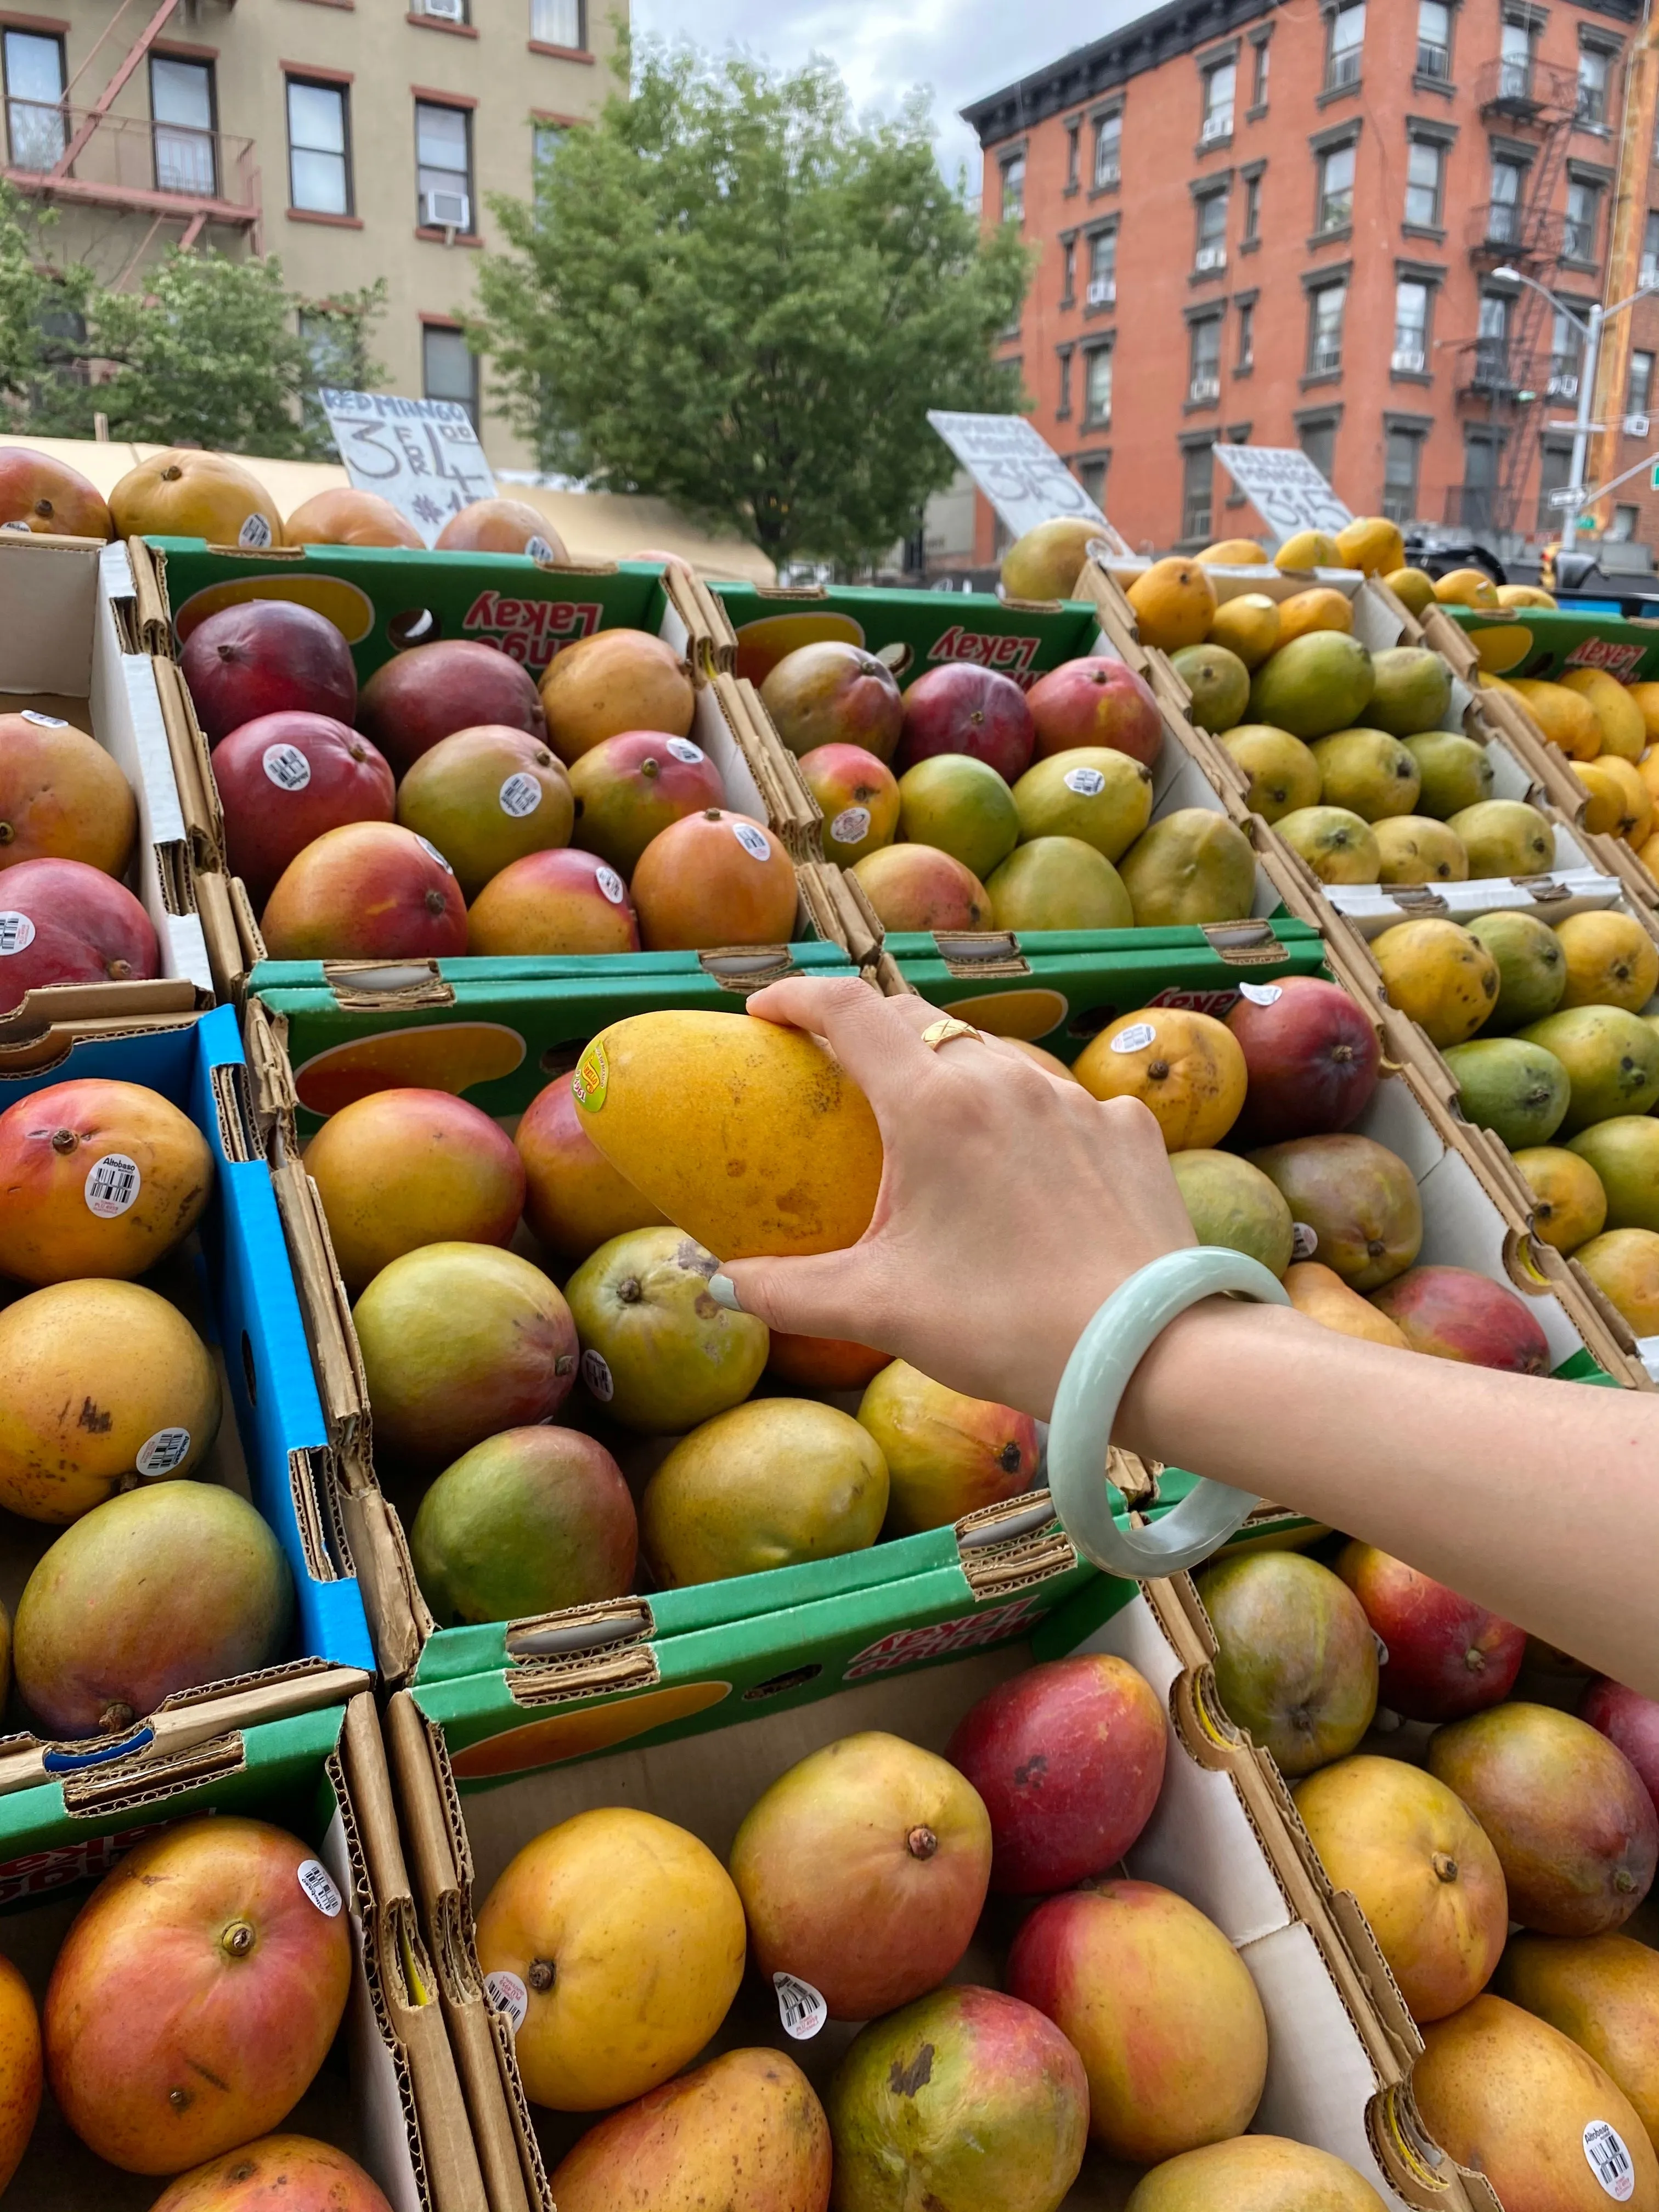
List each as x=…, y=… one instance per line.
x=1510, y=370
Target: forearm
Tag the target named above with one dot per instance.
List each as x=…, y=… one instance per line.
x=1539, y=1499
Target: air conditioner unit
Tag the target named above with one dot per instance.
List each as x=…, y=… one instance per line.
x=1210, y=256
x=1100, y=292
x=447, y=11
x=1218, y=125
x=1636, y=426
x=1563, y=387
x=446, y=212
x=1204, y=388
x=1407, y=362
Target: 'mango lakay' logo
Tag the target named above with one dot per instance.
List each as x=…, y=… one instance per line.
x=1012, y=656
x=530, y=631
x=1620, y=660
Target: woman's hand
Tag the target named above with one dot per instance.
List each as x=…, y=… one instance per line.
x=1010, y=1204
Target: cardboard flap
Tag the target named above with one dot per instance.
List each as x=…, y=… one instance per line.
x=839, y=910
x=398, y=1617
x=198, y=794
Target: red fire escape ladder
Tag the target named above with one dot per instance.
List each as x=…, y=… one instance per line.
x=112, y=91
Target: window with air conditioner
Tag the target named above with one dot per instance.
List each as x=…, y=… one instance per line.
x=1591, y=108
x=1204, y=363
x=1402, y=459
x=1210, y=250
x=1109, y=148
x=1097, y=388
x=443, y=172
x=1504, y=209
x=1425, y=165
x=1579, y=236
x=35, y=125
x=1197, y=480
x=449, y=369
x=1220, y=84
x=1411, y=328
x=1103, y=269
x=559, y=23
x=1566, y=356
x=1434, y=39
x=1336, y=169
x=319, y=158
x=1626, y=521
x=445, y=11
x=1638, y=393
x=181, y=126
x=1345, y=42
x=1326, y=309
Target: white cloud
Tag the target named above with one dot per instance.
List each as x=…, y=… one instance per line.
x=958, y=50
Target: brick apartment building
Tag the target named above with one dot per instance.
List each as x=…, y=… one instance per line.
x=1286, y=224
x=352, y=138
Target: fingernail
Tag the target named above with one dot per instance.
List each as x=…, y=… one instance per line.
x=724, y=1292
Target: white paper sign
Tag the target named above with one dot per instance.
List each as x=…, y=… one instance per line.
x=1285, y=487
x=421, y=454
x=1019, y=471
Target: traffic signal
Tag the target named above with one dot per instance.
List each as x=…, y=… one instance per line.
x=1546, y=564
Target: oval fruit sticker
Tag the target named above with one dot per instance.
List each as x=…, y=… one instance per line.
x=592, y=1078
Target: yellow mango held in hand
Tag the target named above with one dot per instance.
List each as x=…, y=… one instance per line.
x=750, y=1137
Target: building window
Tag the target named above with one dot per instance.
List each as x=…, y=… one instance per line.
x=1197, y=475
x=1649, y=269
x=443, y=171
x=1554, y=474
x=1626, y=520
x=1566, y=356
x=1068, y=272
x=1064, y=406
x=1434, y=40
x=1096, y=387
x=1210, y=250
x=1071, y=157
x=1583, y=220
x=559, y=23
x=1515, y=61
x=1325, y=311
x=1091, y=475
x=443, y=11
x=1402, y=453
x=546, y=139
x=1592, y=104
x=1480, y=488
x=1219, y=85
x=1492, y=346
x=1504, y=209
x=318, y=159
x=34, y=87
x=1318, y=441
x=1246, y=336
x=1426, y=163
x=1345, y=39
x=1336, y=188
x=449, y=368
x=1259, y=77
x=1640, y=392
x=1103, y=269
x=1109, y=147
x=1013, y=189
x=1410, y=327
x=1204, y=370
x=1252, y=210
x=181, y=123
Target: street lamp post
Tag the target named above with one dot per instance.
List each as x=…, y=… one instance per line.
x=1590, y=331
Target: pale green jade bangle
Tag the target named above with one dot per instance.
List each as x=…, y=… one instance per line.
x=1096, y=1374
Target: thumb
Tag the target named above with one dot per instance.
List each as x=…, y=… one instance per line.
x=812, y=1295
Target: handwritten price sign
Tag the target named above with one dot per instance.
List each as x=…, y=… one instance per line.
x=1019, y=471
x=1285, y=487
x=421, y=454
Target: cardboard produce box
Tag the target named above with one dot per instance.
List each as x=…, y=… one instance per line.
x=388, y=2093
x=69, y=651
x=384, y=601
x=233, y=1280
x=1341, y=2046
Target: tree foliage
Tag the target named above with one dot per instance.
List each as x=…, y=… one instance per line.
x=732, y=293
x=207, y=353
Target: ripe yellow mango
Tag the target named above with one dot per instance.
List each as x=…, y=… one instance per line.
x=751, y=1138
x=1624, y=732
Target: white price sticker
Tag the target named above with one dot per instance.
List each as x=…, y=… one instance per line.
x=800, y=2007
x=1087, y=783
x=684, y=749
x=520, y=795
x=254, y=534
x=1305, y=1242
x=1135, y=1039
x=1609, y=2160
x=112, y=1185
x=508, y=1994
x=1260, y=995
x=754, y=842
x=435, y=853
x=16, y=932
x=539, y=549
x=161, y=1453
x=287, y=767
x=318, y=1886
x=597, y=1375
x=612, y=885
x=1382, y=1648
x=43, y=722
x=851, y=825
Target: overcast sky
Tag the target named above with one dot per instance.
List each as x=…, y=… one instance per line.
x=959, y=50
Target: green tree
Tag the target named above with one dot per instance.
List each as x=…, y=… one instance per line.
x=730, y=293
x=41, y=308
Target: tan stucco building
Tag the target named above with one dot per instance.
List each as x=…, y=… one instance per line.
x=354, y=139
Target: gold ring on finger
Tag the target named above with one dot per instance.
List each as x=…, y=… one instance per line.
x=946, y=1030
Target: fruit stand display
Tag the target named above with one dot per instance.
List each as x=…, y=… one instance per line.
x=1250, y=2004
x=99, y=923
x=263, y=1865
x=135, y=1162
